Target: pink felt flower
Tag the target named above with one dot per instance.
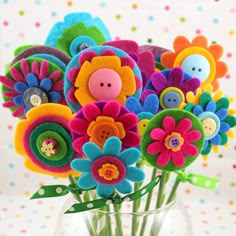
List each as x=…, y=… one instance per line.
x=174, y=141
x=100, y=120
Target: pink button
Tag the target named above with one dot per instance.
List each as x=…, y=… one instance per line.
x=105, y=84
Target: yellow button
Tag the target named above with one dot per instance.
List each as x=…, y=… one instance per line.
x=142, y=126
x=35, y=100
x=209, y=125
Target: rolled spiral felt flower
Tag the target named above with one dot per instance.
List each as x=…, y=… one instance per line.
x=98, y=121
x=101, y=73
x=43, y=139
x=172, y=140
x=78, y=31
x=31, y=82
x=197, y=59
x=108, y=168
x=171, y=87
x=218, y=118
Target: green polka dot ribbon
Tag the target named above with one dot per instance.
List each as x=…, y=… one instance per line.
x=198, y=180
x=114, y=199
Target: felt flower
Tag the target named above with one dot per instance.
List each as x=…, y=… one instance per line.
x=108, y=169
x=100, y=120
x=213, y=110
x=44, y=140
x=30, y=83
x=171, y=87
x=101, y=73
x=197, y=59
x=77, y=32
x=145, y=111
x=144, y=58
x=172, y=140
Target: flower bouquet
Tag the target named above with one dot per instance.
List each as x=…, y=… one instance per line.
x=121, y=121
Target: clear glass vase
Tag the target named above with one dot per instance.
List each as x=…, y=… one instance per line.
x=119, y=220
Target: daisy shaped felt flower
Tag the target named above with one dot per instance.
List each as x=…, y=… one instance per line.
x=197, y=59
x=172, y=140
x=216, y=115
x=43, y=139
x=30, y=83
x=100, y=120
x=171, y=87
x=108, y=169
x=101, y=73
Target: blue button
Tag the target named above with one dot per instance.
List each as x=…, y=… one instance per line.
x=171, y=100
x=197, y=66
x=174, y=142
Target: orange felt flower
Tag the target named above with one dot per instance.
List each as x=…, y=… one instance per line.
x=197, y=59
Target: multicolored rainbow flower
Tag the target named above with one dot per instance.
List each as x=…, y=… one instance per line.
x=108, y=168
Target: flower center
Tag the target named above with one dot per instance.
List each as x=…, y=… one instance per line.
x=174, y=141
x=108, y=171
x=49, y=147
x=103, y=128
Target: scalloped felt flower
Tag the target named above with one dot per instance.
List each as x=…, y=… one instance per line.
x=171, y=87
x=145, y=111
x=144, y=59
x=30, y=83
x=100, y=120
x=197, y=59
x=172, y=140
x=213, y=110
x=77, y=32
x=108, y=169
x=101, y=73
x=44, y=140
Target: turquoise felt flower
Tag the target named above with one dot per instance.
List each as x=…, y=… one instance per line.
x=108, y=169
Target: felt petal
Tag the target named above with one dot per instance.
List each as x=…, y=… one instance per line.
x=216, y=50
x=46, y=84
x=92, y=151
x=87, y=56
x=19, y=101
x=224, y=138
x=124, y=187
x=91, y=112
x=200, y=41
x=133, y=105
x=35, y=68
x=176, y=77
x=211, y=106
x=158, y=81
x=9, y=104
x=134, y=174
x=79, y=142
x=207, y=149
x=10, y=94
x=26, y=109
x=222, y=113
x=43, y=70
x=163, y=158
x=168, y=123
x=21, y=87
x=205, y=144
x=18, y=112
x=71, y=95
x=108, y=52
x=184, y=125
x=112, y=109
x=180, y=43
x=222, y=103
x=151, y=104
x=129, y=156
x=155, y=147
x=54, y=96
x=16, y=74
x=24, y=67
x=191, y=85
x=104, y=190
x=131, y=139
x=204, y=99
x=146, y=93
x=167, y=59
x=221, y=69
x=189, y=149
x=129, y=120
x=231, y=120
x=72, y=74
x=112, y=146
x=157, y=134
x=58, y=86
x=197, y=110
x=178, y=159
x=86, y=181
x=127, y=61
x=79, y=126
x=54, y=76
x=7, y=82
x=224, y=127
x=192, y=136
x=216, y=140
x=81, y=165
x=32, y=80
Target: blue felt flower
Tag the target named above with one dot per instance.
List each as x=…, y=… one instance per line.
x=108, y=169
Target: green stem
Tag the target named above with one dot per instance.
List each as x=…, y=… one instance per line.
x=173, y=190
x=79, y=199
x=147, y=205
x=108, y=220
x=118, y=220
